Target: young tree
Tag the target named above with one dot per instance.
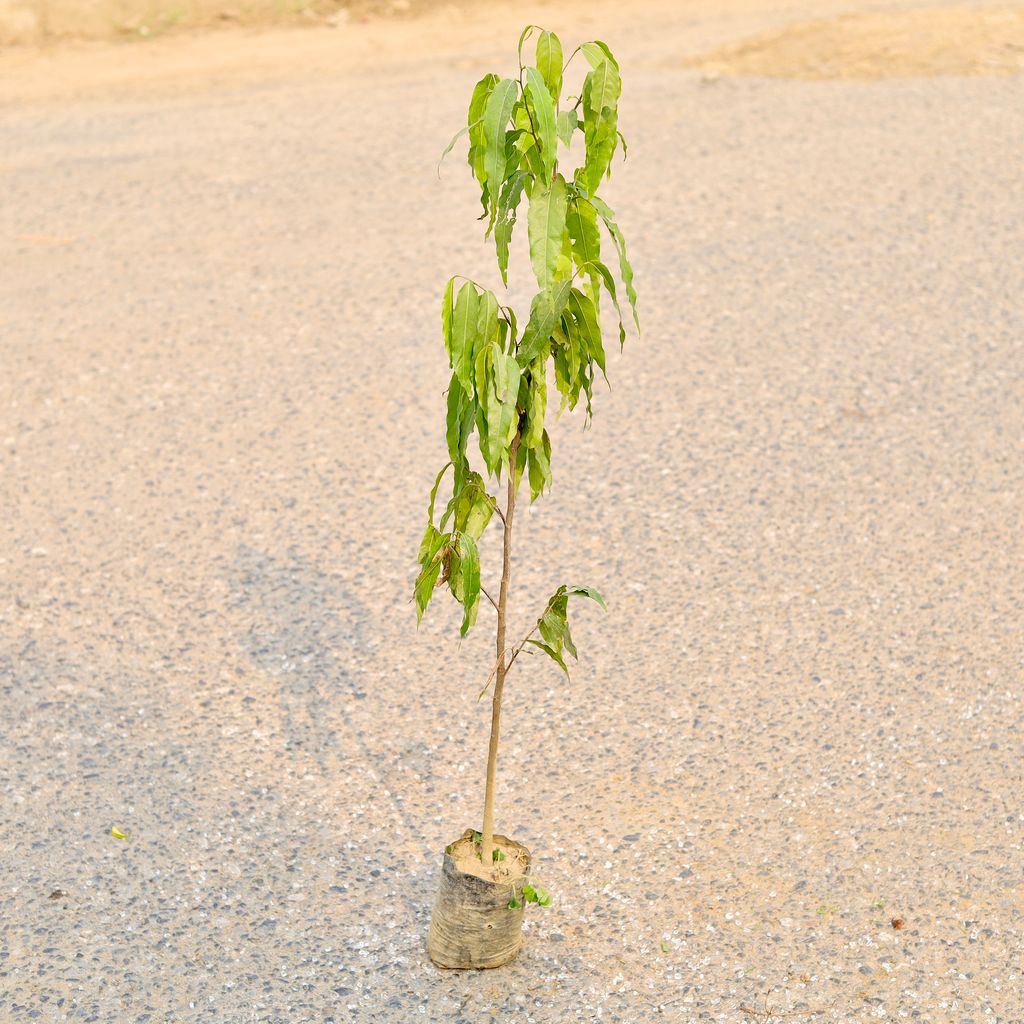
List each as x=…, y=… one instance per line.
x=500, y=375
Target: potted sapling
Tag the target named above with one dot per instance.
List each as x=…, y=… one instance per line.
x=521, y=135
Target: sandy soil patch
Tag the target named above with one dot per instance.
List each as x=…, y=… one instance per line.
x=891, y=44
x=45, y=21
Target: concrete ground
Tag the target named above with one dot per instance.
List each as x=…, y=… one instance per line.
x=221, y=410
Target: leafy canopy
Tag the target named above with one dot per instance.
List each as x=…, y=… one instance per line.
x=517, y=129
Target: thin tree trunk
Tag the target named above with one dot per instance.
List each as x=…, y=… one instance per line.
x=500, y=665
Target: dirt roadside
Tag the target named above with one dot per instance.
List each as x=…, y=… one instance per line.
x=825, y=39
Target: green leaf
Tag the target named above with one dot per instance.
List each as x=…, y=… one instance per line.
x=536, y=403
x=584, y=241
x=426, y=552
x=542, y=106
x=470, y=563
x=497, y=112
x=433, y=493
x=625, y=270
x=567, y=122
x=433, y=542
x=545, y=312
x=486, y=326
x=544, y=901
x=479, y=515
x=451, y=145
x=464, y=334
x=596, y=51
x=523, y=37
x=497, y=855
x=477, y=140
x=529, y=894
x=425, y=587
x=549, y=62
x=583, y=312
x=499, y=374
x=459, y=425
x=590, y=592
x=664, y=946
x=609, y=284
x=554, y=655
x=446, y=317
x=572, y=362
x=508, y=203
x=514, y=904
x=546, y=226
x=538, y=461
x=601, y=90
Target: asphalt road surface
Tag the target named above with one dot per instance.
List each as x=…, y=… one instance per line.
x=221, y=410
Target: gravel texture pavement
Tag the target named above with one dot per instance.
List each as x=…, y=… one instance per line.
x=221, y=408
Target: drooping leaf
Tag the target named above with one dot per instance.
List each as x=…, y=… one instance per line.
x=546, y=227
x=526, y=149
x=477, y=139
x=554, y=628
x=571, y=362
x=470, y=508
x=497, y=113
x=451, y=145
x=433, y=541
x=479, y=514
x=545, y=312
x=464, y=334
x=458, y=426
x=585, y=241
x=425, y=587
x=625, y=270
x=497, y=375
x=510, y=315
x=470, y=565
x=486, y=325
x=609, y=284
x=542, y=108
x=536, y=403
x=567, y=122
x=430, y=534
x=508, y=203
x=590, y=592
x=597, y=51
x=583, y=312
x=549, y=62
x=539, y=466
x=601, y=90
x=447, y=312
x=525, y=35
x=555, y=656
x=433, y=493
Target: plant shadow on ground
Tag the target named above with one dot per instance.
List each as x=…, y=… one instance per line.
x=306, y=629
